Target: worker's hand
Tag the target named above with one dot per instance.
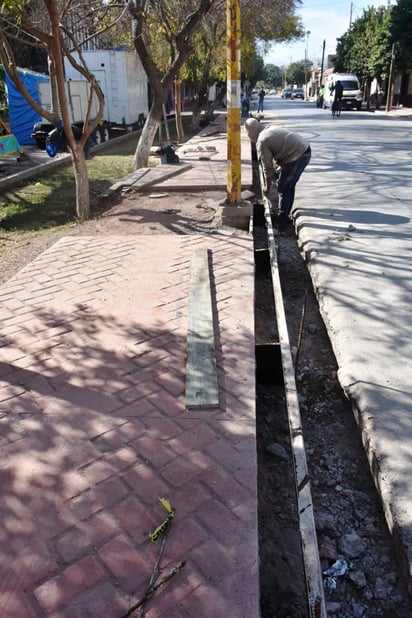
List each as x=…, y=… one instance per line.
x=266, y=189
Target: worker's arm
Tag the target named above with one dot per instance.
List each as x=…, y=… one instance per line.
x=266, y=188
x=266, y=158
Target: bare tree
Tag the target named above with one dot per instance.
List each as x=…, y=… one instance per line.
x=175, y=21
x=53, y=26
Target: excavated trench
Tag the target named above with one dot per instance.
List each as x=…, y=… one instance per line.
x=282, y=574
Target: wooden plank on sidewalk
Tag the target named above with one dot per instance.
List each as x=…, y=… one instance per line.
x=201, y=374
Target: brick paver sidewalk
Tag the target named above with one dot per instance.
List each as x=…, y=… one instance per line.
x=94, y=430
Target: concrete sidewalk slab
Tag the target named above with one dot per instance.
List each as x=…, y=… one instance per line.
x=358, y=253
x=94, y=429
x=203, y=163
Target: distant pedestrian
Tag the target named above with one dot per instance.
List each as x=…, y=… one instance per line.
x=321, y=94
x=291, y=152
x=338, y=90
x=337, y=99
x=261, y=96
x=245, y=105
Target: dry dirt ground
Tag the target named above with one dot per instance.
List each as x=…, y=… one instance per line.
x=362, y=578
x=132, y=213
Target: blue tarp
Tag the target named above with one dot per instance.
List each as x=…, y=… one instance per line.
x=22, y=116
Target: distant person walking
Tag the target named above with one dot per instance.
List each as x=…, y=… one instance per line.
x=321, y=94
x=337, y=99
x=288, y=150
x=261, y=96
x=245, y=105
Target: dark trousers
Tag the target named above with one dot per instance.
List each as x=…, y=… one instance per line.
x=288, y=178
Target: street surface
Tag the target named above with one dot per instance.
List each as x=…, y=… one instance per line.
x=353, y=218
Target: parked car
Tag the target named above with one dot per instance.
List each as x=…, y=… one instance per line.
x=286, y=93
x=298, y=93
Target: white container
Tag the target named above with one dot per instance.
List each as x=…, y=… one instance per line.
x=123, y=81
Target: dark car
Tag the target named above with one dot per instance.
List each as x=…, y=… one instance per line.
x=286, y=93
x=298, y=93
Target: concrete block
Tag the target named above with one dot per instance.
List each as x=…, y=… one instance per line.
x=235, y=215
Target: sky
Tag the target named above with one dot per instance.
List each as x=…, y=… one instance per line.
x=326, y=20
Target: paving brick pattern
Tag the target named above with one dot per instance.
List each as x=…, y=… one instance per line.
x=94, y=429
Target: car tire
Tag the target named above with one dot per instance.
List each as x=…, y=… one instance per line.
x=97, y=136
x=105, y=133
x=41, y=142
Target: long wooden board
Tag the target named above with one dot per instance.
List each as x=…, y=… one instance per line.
x=201, y=374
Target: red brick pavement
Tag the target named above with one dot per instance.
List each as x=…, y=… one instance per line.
x=94, y=430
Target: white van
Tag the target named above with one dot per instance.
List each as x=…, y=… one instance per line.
x=352, y=96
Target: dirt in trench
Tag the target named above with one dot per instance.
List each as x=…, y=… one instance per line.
x=352, y=532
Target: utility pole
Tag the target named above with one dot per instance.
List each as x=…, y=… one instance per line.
x=323, y=60
x=306, y=64
x=234, y=183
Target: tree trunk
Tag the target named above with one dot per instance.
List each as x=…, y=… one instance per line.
x=391, y=79
x=55, y=107
x=178, y=111
x=367, y=93
x=196, y=117
x=379, y=94
x=147, y=136
x=82, y=182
